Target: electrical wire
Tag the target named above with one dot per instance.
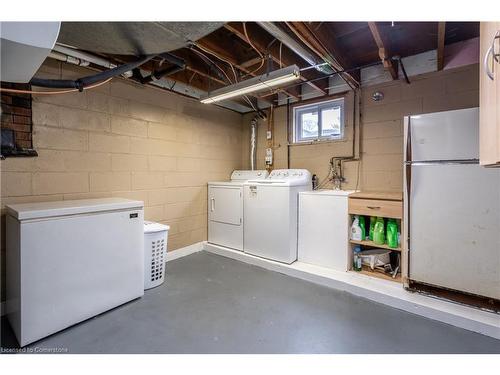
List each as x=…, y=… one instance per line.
x=256, y=50
x=213, y=63
x=245, y=97
x=56, y=92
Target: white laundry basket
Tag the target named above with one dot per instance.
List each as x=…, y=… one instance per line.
x=155, y=252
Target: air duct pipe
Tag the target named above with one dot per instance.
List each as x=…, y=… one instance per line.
x=81, y=83
x=291, y=43
x=253, y=143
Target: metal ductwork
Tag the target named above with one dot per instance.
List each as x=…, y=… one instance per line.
x=296, y=47
x=253, y=143
x=24, y=48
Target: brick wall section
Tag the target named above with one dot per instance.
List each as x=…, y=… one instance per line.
x=381, y=128
x=131, y=141
x=16, y=114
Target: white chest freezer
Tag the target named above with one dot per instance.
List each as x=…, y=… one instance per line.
x=71, y=260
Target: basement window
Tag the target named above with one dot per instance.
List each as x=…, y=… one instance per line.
x=321, y=121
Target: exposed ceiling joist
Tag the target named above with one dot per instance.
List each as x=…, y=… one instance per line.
x=440, y=45
x=330, y=54
x=287, y=58
x=222, y=55
x=383, y=51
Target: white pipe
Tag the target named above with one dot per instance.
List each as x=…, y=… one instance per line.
x=68, y=59
x=84, y=56
x=253, y=143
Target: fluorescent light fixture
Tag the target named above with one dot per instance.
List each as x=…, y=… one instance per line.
x=265, y=81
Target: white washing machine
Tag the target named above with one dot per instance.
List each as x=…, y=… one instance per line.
x=225, y=208
x=270, y=214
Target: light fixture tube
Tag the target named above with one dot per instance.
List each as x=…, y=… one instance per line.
x=262, y=82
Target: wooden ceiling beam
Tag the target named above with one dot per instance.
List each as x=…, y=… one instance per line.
x=440, y=45
x=222, y=55
x=330, y=54
x=286, y=57
x=383, y=52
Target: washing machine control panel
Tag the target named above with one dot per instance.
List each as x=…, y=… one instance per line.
x=295, y=176
x=243, y=175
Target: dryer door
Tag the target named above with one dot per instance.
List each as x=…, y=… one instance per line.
x=225, y=204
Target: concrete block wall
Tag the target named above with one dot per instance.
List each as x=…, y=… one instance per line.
x=126, y=140
x=381, y=128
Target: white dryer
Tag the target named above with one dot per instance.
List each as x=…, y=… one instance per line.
x=270, y=214
x=225, y=208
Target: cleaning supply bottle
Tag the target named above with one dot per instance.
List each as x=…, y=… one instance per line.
x=379, y=232
x=363, y=227
x=373, y=219
x=392, y=233
x=356, y=229
x=356, y=264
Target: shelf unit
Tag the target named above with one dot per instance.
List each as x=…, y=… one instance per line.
x=373, y=244
x=366, y=270
x=382, y=204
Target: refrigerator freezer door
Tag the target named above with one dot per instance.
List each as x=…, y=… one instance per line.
x=454, y=227
x=451, y=135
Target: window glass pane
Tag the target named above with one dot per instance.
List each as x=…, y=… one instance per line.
x=309, y=122
x=330, y=121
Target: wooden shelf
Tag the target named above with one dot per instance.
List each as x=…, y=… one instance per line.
x=380, y=274
x=373, y=244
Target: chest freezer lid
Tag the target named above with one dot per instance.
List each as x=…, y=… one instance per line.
x=39, y=210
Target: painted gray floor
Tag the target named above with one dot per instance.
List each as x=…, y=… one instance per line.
x=211, y=304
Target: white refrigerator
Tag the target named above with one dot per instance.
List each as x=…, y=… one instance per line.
x=452, y=204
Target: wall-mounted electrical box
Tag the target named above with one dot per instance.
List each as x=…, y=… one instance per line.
x=269, y=156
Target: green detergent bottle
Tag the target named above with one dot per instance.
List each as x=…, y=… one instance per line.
x=373, y=219
x=392, y=233
x=378, y=231
x=363, y=227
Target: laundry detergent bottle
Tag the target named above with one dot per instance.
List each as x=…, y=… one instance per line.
x=392, y=233
x=379, y=232
x=356, y=232
x=373, y=219
x=362, y=225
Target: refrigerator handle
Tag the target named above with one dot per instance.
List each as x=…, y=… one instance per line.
x=408, y=141
x=212, y=204
x=408, y=157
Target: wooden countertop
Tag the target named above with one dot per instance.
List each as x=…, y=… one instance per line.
x=390, y=196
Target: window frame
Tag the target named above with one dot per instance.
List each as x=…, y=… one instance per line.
x=297, y=111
